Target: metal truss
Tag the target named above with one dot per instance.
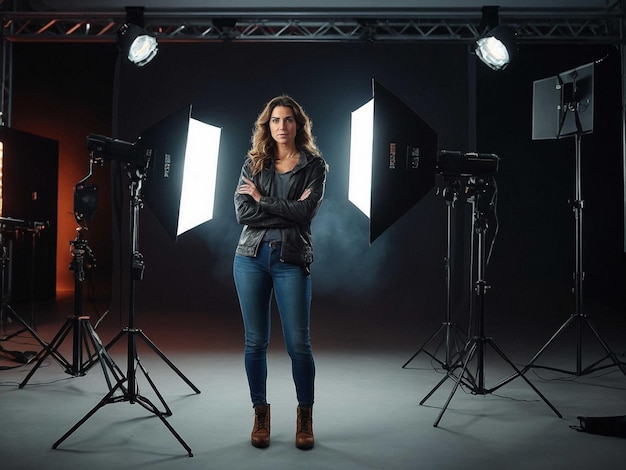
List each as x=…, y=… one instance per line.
x=546, y=26
x=460, y=25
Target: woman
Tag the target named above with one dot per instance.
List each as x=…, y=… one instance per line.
x=279, y=192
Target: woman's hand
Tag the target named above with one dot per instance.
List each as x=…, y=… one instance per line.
x=248, y=187
x=305, y=194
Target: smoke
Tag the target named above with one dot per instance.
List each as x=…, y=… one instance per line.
x=220, y=237
x=345, y=261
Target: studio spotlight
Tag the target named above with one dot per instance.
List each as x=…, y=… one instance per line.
x=134, y=41
x=496, y=48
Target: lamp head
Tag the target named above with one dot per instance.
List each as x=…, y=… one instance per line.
x=497, y=47
x=139, y=46
x=85, y=202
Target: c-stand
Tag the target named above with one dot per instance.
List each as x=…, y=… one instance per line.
x=129, y=392
x=87, y=348
x=476, y=346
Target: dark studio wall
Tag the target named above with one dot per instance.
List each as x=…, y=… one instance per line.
x=401, y=273
x=29, y=212
x=64, y=92
x=399, y=281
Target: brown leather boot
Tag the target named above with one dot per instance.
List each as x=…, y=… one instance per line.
x=260, y=436
x=304, y=428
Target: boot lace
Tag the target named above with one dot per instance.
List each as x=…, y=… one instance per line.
x=261, y=420
x=305, y=422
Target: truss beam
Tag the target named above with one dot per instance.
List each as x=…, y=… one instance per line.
x=573, y=26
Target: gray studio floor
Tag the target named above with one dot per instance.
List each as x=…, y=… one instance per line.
x=367, y=413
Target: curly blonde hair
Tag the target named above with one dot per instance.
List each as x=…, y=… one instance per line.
x=264, y=146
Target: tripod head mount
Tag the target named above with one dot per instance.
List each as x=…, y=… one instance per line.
x=451, y=190
x=83, y=258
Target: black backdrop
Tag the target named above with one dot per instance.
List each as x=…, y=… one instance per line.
x=399, y=282
x=401, y=276
x=228, y=84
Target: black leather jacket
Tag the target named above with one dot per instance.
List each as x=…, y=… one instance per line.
x=292, y=216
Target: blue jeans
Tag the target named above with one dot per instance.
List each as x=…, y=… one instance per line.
x=256, y=279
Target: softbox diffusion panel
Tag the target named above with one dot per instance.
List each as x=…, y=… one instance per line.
x=182, y=174
x=403, y=158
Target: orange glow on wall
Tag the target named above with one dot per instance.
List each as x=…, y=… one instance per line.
x=56, y=99
x=73, y=165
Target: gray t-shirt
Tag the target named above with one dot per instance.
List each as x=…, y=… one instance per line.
x=279, y=190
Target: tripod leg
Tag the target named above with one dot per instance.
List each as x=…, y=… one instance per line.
x=117, y=337
x=4, y=337
x=531, y=363
x=470, y=354
x=430, y=394
x=550, y=341
x=423, y=347
x=107, y=362
x=452, y=337
x=519, y=372
x=104, y=358
x=133, y=359
x=107, y=399
x=605, y=346
x=470, y=382
x=52, y=350
x=458, y=342
x=85, y=341
x=148, y=405
x=167, y=361
x=168, y=411
x=578, y=318
x=25, y=326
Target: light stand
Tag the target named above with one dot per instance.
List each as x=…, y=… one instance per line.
x=476, y=346
x=578, y=319
x=450, y=330
x=84, y=337
x=129, y=393
x=7, y=225
x=563, y=106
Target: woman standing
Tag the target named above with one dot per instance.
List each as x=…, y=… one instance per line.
x=280, y=190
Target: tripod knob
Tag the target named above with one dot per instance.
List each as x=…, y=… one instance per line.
x=482, y=287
